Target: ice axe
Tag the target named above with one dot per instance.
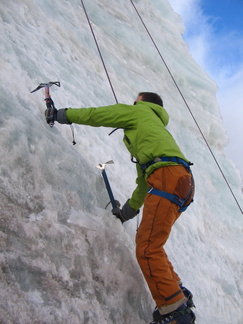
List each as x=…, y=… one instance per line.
x=101, y=167
x=49, y=102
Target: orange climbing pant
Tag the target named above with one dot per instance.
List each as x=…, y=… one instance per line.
x=159, y=215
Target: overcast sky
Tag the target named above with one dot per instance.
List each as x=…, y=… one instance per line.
x=214, y=34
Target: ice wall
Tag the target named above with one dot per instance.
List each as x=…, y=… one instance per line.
x=64, y=258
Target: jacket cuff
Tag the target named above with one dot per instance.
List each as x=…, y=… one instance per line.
x=61, y=116
x=128, y=212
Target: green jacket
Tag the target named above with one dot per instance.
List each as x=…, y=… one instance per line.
x=145, y=136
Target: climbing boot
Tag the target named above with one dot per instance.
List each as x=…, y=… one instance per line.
x=183, y=315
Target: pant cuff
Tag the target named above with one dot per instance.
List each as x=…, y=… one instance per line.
x=171, y=308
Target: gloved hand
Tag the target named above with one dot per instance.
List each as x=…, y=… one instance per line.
x=126, y=213
x=52, y=115
x=118, y=213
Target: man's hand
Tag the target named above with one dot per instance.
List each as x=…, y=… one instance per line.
x=52, y=115
x=118, y=213
x=126, y=213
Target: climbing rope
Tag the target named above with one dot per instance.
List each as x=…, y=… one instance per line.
x=173, y=79
x=98, y=48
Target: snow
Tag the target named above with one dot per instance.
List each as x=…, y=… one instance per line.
x=64, y=257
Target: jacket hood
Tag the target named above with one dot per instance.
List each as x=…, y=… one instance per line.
x=158, y=110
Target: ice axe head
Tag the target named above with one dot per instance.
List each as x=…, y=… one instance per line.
x=51, y=109
x=46, y=85
x=102, y=166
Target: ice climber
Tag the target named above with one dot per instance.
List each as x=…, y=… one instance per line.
x=164, y=185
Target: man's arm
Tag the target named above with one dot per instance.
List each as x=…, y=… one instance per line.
x=118, y=115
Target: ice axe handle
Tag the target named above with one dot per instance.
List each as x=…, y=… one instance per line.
x=108, y=187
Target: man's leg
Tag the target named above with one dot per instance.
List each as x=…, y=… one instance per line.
x=159, y=216
x=152, y=234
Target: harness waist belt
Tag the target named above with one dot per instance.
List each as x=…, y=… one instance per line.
x=167, y=159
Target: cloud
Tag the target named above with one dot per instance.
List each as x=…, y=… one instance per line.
x=220, y=53
x=197, y=30
x=186, y=8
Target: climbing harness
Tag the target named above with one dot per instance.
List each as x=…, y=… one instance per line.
x=172, y=197
x=168, y=159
